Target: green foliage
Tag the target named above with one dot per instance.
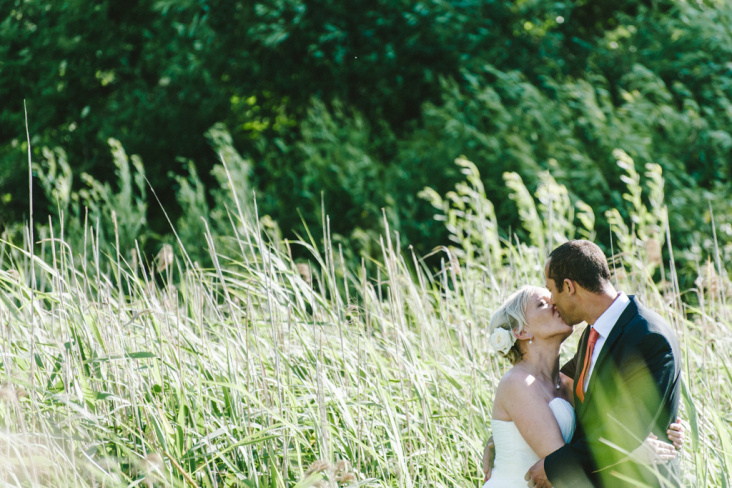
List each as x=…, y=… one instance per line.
x=118, y=215
x=56, y=179
x=548, y=217
x=191, y=194
x=526, y=208
x=642, y=242
x=121, y=214
x=553, y=218
x=469, y=217
x=232, y=192
x=358, y=108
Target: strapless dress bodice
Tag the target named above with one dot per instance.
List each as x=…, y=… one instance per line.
x=514, y=457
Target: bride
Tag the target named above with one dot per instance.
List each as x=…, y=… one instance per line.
x=533, y=414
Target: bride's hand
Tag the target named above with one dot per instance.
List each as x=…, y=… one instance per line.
x=653, y=451
x=675, y=434
x=489, y=455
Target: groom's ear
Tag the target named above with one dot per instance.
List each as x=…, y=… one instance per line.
x=571, y=286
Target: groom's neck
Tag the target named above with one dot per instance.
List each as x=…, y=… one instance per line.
x=597, y=303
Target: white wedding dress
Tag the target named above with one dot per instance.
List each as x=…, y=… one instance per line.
x=514, y=457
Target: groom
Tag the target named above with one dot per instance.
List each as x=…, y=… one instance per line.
x=627, y=377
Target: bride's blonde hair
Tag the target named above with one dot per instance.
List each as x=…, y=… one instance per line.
x=511, y=315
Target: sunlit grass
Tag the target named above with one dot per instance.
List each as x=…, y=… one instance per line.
x=260, y=371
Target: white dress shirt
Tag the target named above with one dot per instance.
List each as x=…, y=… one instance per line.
x=604, y=325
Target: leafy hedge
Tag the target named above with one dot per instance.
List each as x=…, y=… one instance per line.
x=353, y=108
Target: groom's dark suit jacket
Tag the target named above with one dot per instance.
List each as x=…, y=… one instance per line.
x=634, y=389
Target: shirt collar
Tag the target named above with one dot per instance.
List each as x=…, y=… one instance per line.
x=604, y=324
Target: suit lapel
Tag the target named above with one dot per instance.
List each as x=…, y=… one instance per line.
x=630, y=311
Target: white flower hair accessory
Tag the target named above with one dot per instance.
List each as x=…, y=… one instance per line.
x=502, y=340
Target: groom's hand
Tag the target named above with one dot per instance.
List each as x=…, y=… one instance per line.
x=536, y=476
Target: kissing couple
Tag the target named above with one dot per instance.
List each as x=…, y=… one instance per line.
x=599, y=420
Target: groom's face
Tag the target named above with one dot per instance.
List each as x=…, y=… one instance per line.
x=562, y=301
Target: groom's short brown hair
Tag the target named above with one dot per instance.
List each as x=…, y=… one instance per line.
x=580, y=261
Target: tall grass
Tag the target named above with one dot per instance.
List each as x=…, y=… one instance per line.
x=265, y=372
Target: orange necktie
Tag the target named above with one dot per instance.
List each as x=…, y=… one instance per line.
x=579, y=386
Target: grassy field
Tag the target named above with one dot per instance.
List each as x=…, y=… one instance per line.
x=265, y=372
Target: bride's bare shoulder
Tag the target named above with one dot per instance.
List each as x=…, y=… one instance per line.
x=514, y=381
x=513, y=374
x=514, y=389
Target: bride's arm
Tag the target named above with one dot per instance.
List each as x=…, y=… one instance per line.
x=525, y=405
